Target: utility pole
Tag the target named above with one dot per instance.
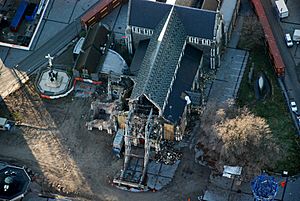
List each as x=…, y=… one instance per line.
x=285, y=174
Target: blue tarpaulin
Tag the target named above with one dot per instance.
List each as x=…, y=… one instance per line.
x=18, y=16
x=264, y=188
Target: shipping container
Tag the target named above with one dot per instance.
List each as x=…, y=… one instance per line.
x=271, y=44
x=99, y=11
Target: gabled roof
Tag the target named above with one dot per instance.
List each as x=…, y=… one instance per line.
x=139, y=56
x=97, y=35
x=197, y=22
x=148, y=14
x=89, y=57
x=182, y=84
x=159, y=65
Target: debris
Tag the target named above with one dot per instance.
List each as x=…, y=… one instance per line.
x=199, y=153
x=102, y=116
x=168, y=154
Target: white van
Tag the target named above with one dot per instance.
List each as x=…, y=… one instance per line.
x=282, y=9
x=296, y=35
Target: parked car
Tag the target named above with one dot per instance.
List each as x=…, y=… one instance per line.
x=288, y=40
x=298, y=120
x=294, y=106
x=6, y=124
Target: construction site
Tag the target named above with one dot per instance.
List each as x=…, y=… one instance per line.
x=117, y=114
x=54, y=140
x=83, y=135
x=20, y=21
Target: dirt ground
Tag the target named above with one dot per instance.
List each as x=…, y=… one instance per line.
x=68, y=159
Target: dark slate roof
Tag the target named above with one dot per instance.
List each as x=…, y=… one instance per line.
x=197, y=22
x=96, y=35
x=159, y=65
x=18, y=181
x=138, y=57
x=183, y=83
x=89, y=57
x=147, y=14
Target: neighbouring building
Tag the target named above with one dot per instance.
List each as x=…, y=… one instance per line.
x=229, y=10
x=94, y=47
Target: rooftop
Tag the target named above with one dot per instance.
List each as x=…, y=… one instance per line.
x=14, y=182
x=148, y=14
x=182, y=84
x=160, y=61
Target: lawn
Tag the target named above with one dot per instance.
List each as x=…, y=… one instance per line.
x=273, y=109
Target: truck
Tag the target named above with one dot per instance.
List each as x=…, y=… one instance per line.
x=118, y=143
x=6, y=125
x=282, y=9
x=296, y=35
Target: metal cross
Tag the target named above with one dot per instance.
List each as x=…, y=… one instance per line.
x=50, y=59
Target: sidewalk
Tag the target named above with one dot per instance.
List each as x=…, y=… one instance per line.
x=224, y=189
x=233, y=63
x=228, y=78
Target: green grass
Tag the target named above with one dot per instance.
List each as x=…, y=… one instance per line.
x=273, y=109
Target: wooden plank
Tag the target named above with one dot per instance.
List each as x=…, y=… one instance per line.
x=121, y=121
x=168, y=132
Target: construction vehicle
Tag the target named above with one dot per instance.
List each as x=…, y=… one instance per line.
x=6, y=125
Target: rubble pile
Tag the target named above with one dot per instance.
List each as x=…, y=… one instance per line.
x=168, y=154
x=138, y=125
x=102, y=116
x=157, y=130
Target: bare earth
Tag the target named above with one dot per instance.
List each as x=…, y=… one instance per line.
x=70, y=160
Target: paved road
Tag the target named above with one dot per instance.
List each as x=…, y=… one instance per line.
x=52, y=47
x=290, y=78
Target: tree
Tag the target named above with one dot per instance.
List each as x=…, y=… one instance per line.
x=239, y=138
x=252, y=32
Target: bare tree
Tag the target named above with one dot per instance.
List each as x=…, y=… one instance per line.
x=235, y=136
x=252, y=32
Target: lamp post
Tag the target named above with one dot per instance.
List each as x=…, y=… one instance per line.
x=297, y=44
x=285, y=174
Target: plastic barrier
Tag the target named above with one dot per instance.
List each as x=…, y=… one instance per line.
x=68, y=92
